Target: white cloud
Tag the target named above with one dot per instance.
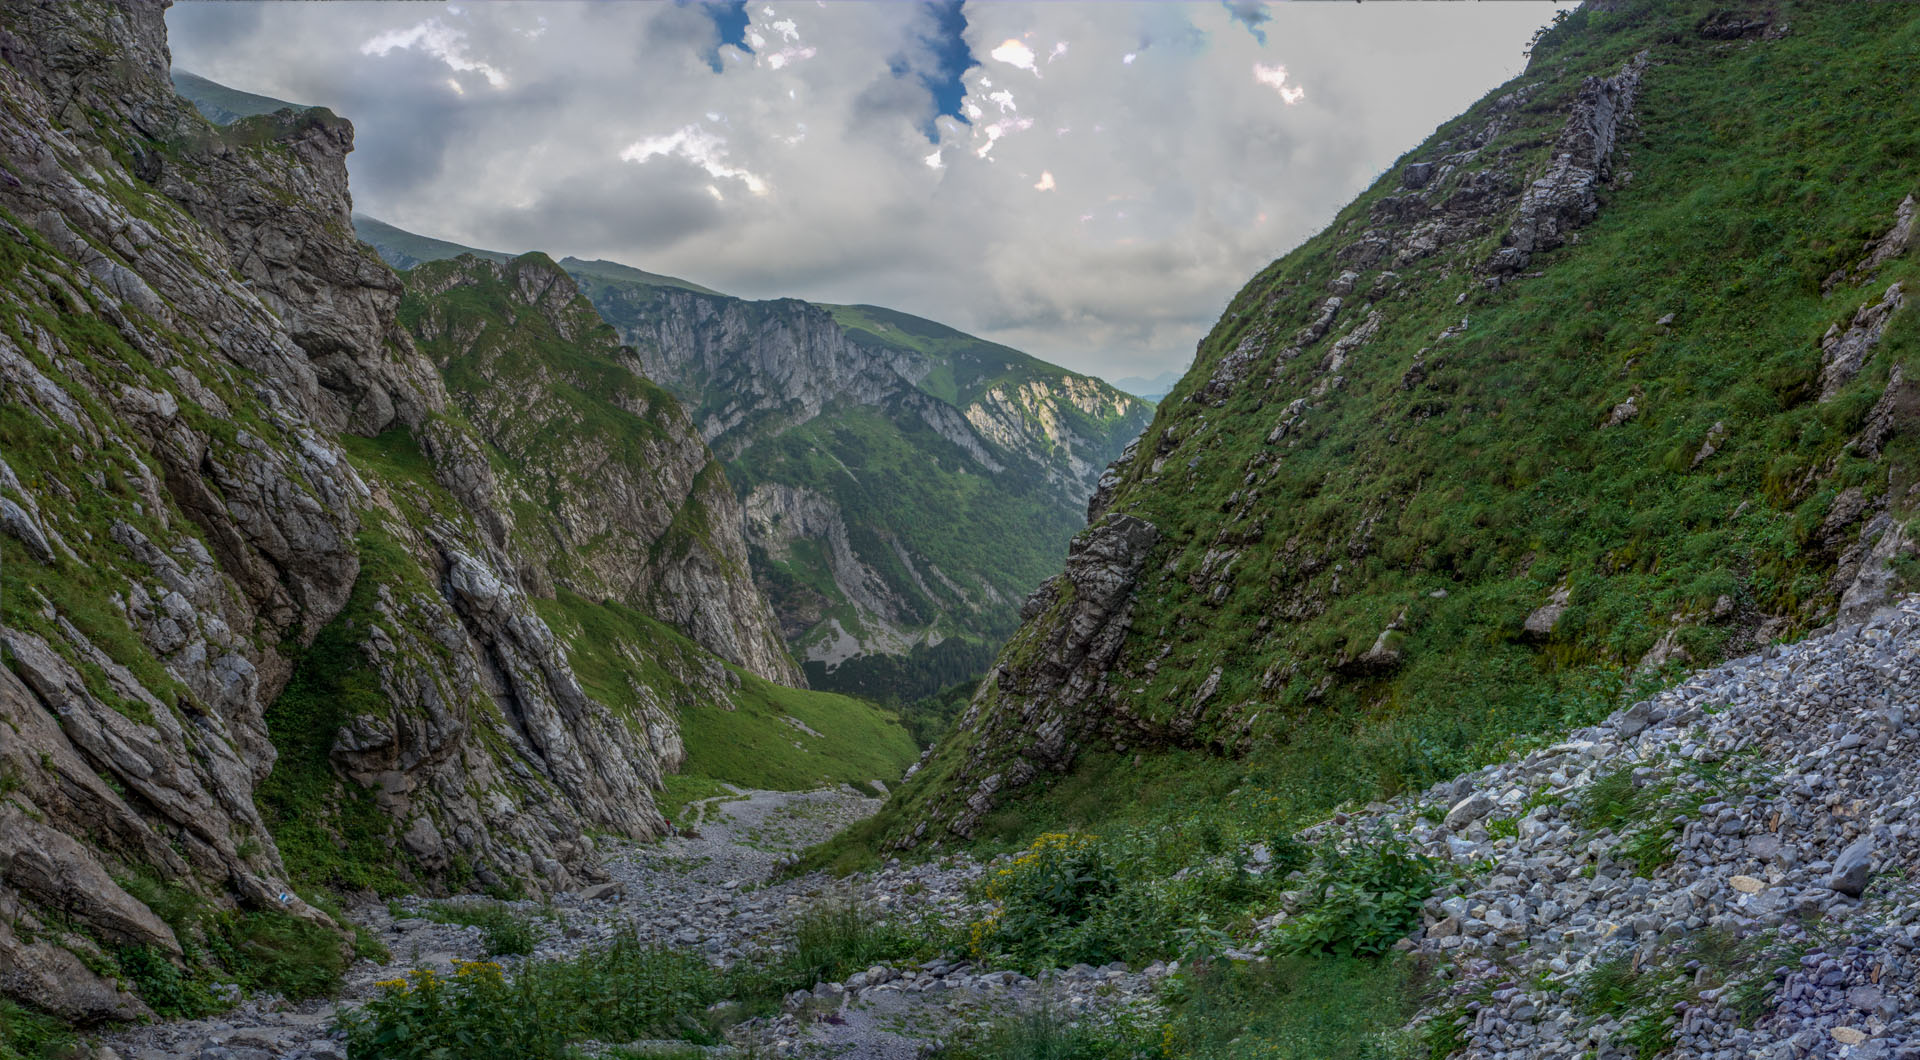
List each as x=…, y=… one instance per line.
x=991, y=134
x=1099, y=217
x=1275, y=77
x=443, y=42
x=695, y=144
x=1015, y=53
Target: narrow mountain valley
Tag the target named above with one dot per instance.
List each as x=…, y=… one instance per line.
x=904, y=483
x=1503, y=641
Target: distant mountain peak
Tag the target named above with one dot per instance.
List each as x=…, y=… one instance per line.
x=1150, y=389
x=222, y=105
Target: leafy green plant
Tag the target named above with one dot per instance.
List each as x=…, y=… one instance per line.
x=26, y=1034
x=163, y=985
x=621, y=992
x=1363, y=897
x=1043, y=1033
x=1300, y=1007
x=259, y=950
x=509, y=932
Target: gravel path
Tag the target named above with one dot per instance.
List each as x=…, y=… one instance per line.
x=708, y=892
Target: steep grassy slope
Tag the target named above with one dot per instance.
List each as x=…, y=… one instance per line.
x=632, y=537
x=1609, y=375
x=736, y=728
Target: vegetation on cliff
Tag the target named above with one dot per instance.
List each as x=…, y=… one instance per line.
x=1609, y=375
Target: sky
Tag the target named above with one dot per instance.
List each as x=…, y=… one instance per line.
x=1088, y=182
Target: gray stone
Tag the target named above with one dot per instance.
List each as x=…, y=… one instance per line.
x=1852, y=868
x=1468, y=810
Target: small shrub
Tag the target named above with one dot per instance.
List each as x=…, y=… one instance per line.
x=834, y=941
x=622, y=992
x=828, y=943
x=509, y=932
x=1049, y=888
x=169, y=991
x=1040, y=1033
x=1365, y=897
x=1290, y=854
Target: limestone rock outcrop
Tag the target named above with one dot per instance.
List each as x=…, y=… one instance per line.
x=1027, y=715
x=260, y=573
x=639, y=509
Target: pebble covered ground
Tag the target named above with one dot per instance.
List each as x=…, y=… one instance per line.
x=1769, y=851
x=1729, y=870
x=708, y=892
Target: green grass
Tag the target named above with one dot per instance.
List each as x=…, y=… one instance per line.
x=1041, y=1033
x=26, y=1034
x=509, y=932
x=743, y=737
x=1298, y=1008
x=1647, y=806
x=330, y=830
x=258, y=950
x=1453, y=504
x=754, y=746
x=618, y=992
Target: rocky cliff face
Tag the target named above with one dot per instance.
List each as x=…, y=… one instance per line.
x=266, y=609
x=1502, y=440
x=640, y=510
x=844, y=426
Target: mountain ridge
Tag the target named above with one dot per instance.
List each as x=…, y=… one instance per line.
x=877, y=601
